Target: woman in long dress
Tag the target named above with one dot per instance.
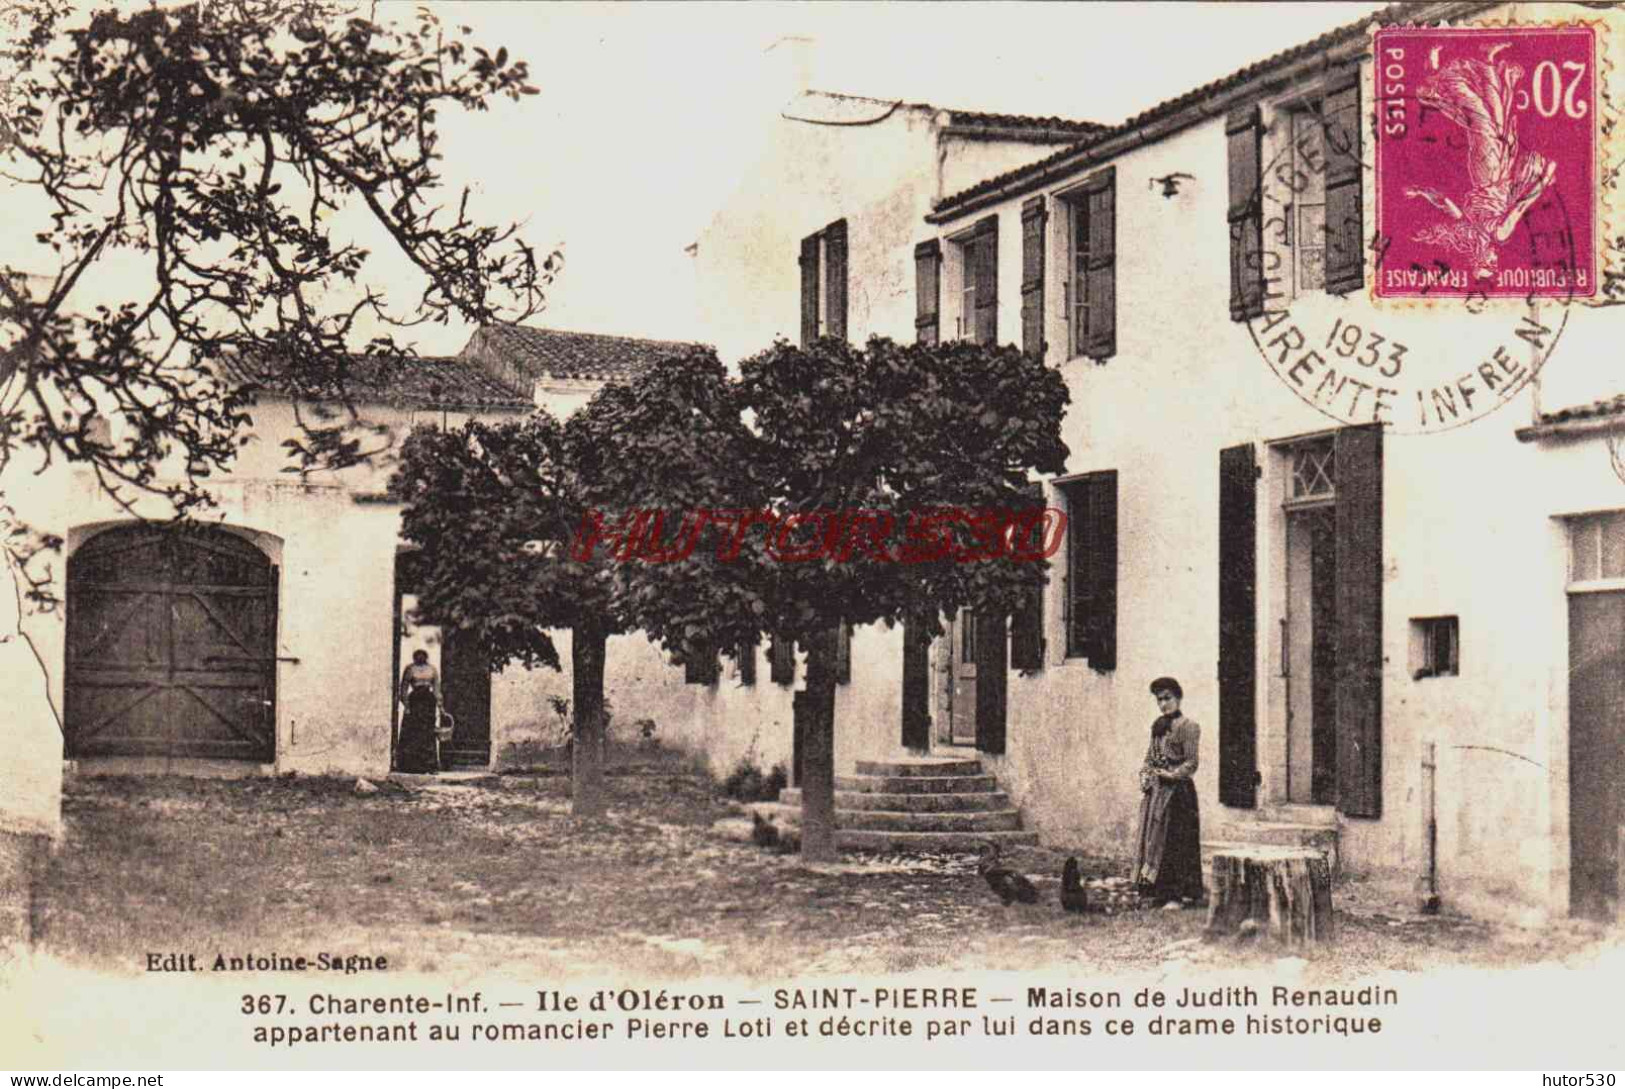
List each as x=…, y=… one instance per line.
x=420, y=691
x=1168, y=855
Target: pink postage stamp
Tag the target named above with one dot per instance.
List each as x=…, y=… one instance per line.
x=1486, y=162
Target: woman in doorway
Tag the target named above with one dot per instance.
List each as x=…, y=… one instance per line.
x=1168, y=856
x=420, y=692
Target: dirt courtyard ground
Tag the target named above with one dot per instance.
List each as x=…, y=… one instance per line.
x=445, y=877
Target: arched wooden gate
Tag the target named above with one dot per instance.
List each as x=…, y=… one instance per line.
x=171, y=646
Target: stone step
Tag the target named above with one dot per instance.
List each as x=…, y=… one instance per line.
x=870, y=820
x=982, y=801
x=910, y=769
x=913, y=784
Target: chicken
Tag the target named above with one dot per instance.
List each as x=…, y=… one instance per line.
x=1006, y=883
x=763, y=833
x=1073, y=895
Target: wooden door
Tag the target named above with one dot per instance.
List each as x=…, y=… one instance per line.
x=1596, y=709
x=1311, y=655
x=171, y=646
x=965, y=654
x=465, y=673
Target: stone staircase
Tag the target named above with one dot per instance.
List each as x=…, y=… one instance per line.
x=1313, y=826
x=914, y=804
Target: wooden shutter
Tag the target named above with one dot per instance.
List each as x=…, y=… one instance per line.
x=1238, y=626
x=1100, y=286
x=916, y=686
x=1345, y=231
x=1358, y=467
x=835, y=279
x=927, y=292
x=1092, y=570
x=747, y=663
x=1244, y=130
x=843, y=654
x=992, y=635
x=1027, y=622
x=809, y=289
x=1034, y=226
x=983, y=259
x=782, y=660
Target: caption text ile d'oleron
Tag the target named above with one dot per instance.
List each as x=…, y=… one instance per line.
x=849, y=1013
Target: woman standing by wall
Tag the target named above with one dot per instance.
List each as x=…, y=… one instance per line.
x=1168, y=856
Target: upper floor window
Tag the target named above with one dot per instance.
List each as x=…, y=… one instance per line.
x=1091, y=282
x=1296, y=225
x=823, y=283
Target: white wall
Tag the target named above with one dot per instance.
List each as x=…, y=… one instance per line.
x=1469, y=530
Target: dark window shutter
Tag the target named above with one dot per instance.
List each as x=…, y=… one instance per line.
x=1358, y=467
x=1092, y=570
x=809, y=289
x=1345, y=231
x=747, y=663
x=782, y=660
x=843, y=654
x=835, y=279
x=1027, y=633
x=1034, y=225
x=1244, y=130
x=984, y=262
x=1100, y=201
x=1238, y=626
x=916, y=686
x=1027, y=623
x=992, y=635
x=927, y=291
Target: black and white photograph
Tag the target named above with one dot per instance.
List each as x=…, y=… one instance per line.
x=807, y=536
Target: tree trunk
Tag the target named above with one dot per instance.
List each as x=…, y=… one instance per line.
x=818, y=752
x=1285, y=891
x=588, y=644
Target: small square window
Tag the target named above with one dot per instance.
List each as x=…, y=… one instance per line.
x=1435, y=647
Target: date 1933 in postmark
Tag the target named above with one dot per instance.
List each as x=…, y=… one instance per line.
x=1427, y=216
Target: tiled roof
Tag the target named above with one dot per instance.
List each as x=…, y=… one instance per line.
x=1013, y=182
x=1578, y=418
x=834, y=108
x=421, y=382
x=527, y=352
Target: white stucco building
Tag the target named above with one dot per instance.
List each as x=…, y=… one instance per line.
x=1388, y=620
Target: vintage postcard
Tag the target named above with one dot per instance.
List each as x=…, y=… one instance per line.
x=811, y=536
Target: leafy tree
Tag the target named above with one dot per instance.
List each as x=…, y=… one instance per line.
x=187, y=164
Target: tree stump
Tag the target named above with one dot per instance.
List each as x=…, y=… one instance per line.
x=1285, y=891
